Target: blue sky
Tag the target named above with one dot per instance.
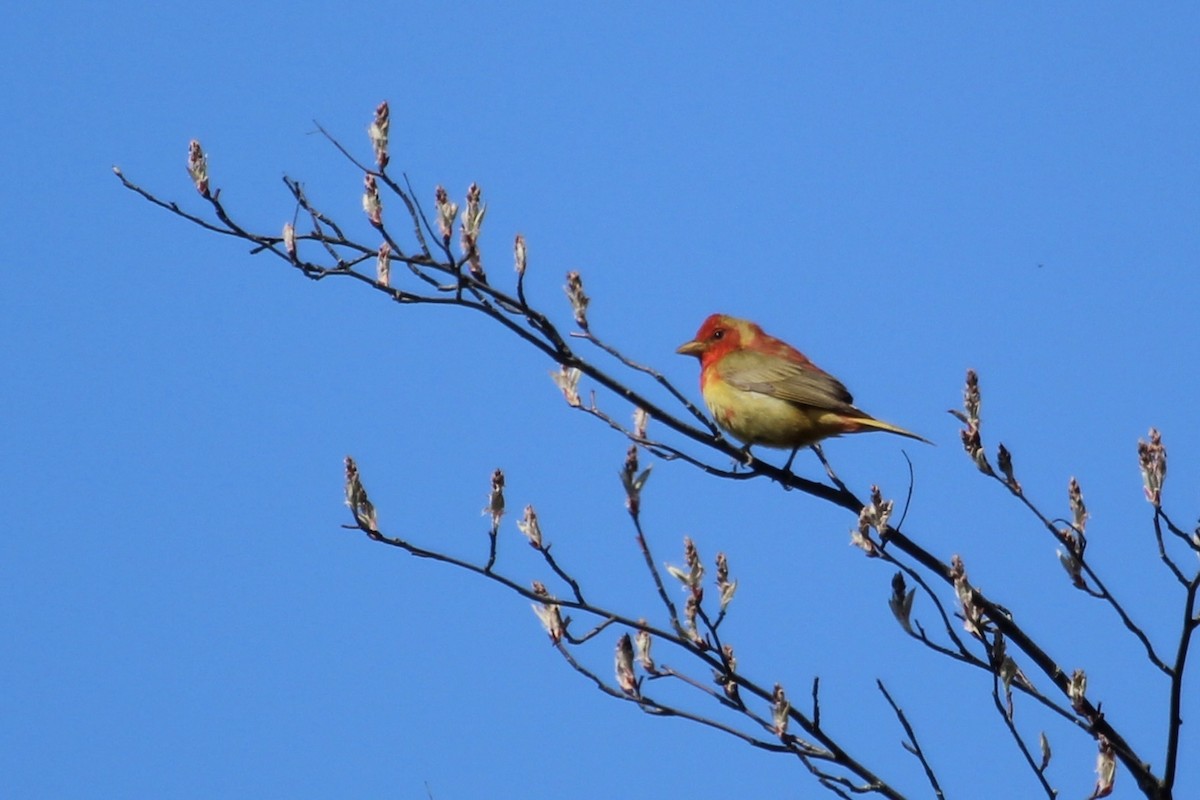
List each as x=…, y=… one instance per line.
x=902, y=193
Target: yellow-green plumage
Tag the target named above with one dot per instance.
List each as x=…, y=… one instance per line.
x=764, y=391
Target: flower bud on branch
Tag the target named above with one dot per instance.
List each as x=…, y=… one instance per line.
x=1008, y=671
x=495, y=506
x=780, y=709
x=1152, y=460
x=567, y=381
x=691, y=610
x=624, y=666
x=1079, y=513
x=519, y=255
x=1044, y=744
x=371, y=202
x=633, y=481
x=289, y=240
x=383, y=265
x=356, y=499
x=881, y=511
x=727, y=682
x=901, y=602
x=1077, y=689
x=197, y=167
x=1004, y=461
x=641, y=419
x=972, y=611
x=579, y=300
x=725, y=587
x=874, y=515
x=472, y=222
x=530, y=526
x=378, y=131
x=692, y=576
x=969, y=416
x=1106, y=768
x=1070, y=562
x=860, y=536
x=548, y=612
x=644, y=644
x=447, y=212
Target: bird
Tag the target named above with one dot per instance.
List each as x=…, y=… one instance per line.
x=763, y=391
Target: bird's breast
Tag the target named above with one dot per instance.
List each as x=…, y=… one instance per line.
x=757, y=418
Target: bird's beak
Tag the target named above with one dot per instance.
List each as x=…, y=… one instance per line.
x=692, y=348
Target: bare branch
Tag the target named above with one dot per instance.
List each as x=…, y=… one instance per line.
x=692, y=438
x=912, y=745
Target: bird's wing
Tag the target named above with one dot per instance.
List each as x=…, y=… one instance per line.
x=803, y=384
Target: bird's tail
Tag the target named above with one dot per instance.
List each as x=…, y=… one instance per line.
x=869, y=423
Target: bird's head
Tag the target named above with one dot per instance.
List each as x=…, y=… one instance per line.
x=718, y=335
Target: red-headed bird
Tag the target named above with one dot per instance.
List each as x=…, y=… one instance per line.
x=764, y=391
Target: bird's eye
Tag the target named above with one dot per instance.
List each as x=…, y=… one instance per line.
x=719, y=333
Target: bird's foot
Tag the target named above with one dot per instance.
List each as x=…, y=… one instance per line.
x=828, y=469
x=745, y=459
x=787, y=467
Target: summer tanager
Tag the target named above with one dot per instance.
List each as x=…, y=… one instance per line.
x=764, y=391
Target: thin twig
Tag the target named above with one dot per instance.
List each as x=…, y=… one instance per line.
x=543, y=335
x=1102, y=591
x=912, y=745
x=653, y=373
x=1174, y=717
x=1034, y=766
x=574, y=584
x=644, y=546
x=1165, y=557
